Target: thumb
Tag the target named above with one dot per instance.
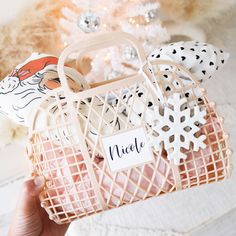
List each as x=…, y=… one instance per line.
x=29, y=195
x=26, y=221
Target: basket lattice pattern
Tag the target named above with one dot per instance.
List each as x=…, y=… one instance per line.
x=68, y=151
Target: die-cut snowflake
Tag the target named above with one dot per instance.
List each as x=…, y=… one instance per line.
x=177, y=128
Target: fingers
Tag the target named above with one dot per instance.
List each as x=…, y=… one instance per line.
x=29, y=195
x=27, y=220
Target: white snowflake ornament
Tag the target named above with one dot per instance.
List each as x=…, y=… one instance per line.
x=177, y=128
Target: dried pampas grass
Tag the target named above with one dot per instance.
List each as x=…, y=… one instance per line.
x=194, y=11
x=36, y=30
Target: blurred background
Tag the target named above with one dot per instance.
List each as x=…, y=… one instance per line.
x=47, y=26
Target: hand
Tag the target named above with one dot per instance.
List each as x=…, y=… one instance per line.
x=30, y=219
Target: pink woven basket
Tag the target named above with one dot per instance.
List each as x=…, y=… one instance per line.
x=68, y=151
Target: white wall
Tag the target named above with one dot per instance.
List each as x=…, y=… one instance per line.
x=10, y=8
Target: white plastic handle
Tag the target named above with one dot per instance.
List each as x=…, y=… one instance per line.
x=96, y=43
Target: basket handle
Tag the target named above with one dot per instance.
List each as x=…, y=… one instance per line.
x=95, y=43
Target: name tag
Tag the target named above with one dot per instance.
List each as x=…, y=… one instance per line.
x=127, y=149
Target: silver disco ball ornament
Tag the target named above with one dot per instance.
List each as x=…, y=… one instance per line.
x=88, y=22
x=130, y=53
x=151, y=15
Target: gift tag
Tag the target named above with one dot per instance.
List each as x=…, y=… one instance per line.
x=127, y=149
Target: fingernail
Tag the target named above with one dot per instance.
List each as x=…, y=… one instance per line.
x=39, y=181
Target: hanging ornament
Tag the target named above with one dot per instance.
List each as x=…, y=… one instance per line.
x=178, y=127
x=151, y=15
x=88, y=22
x=130, y=53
